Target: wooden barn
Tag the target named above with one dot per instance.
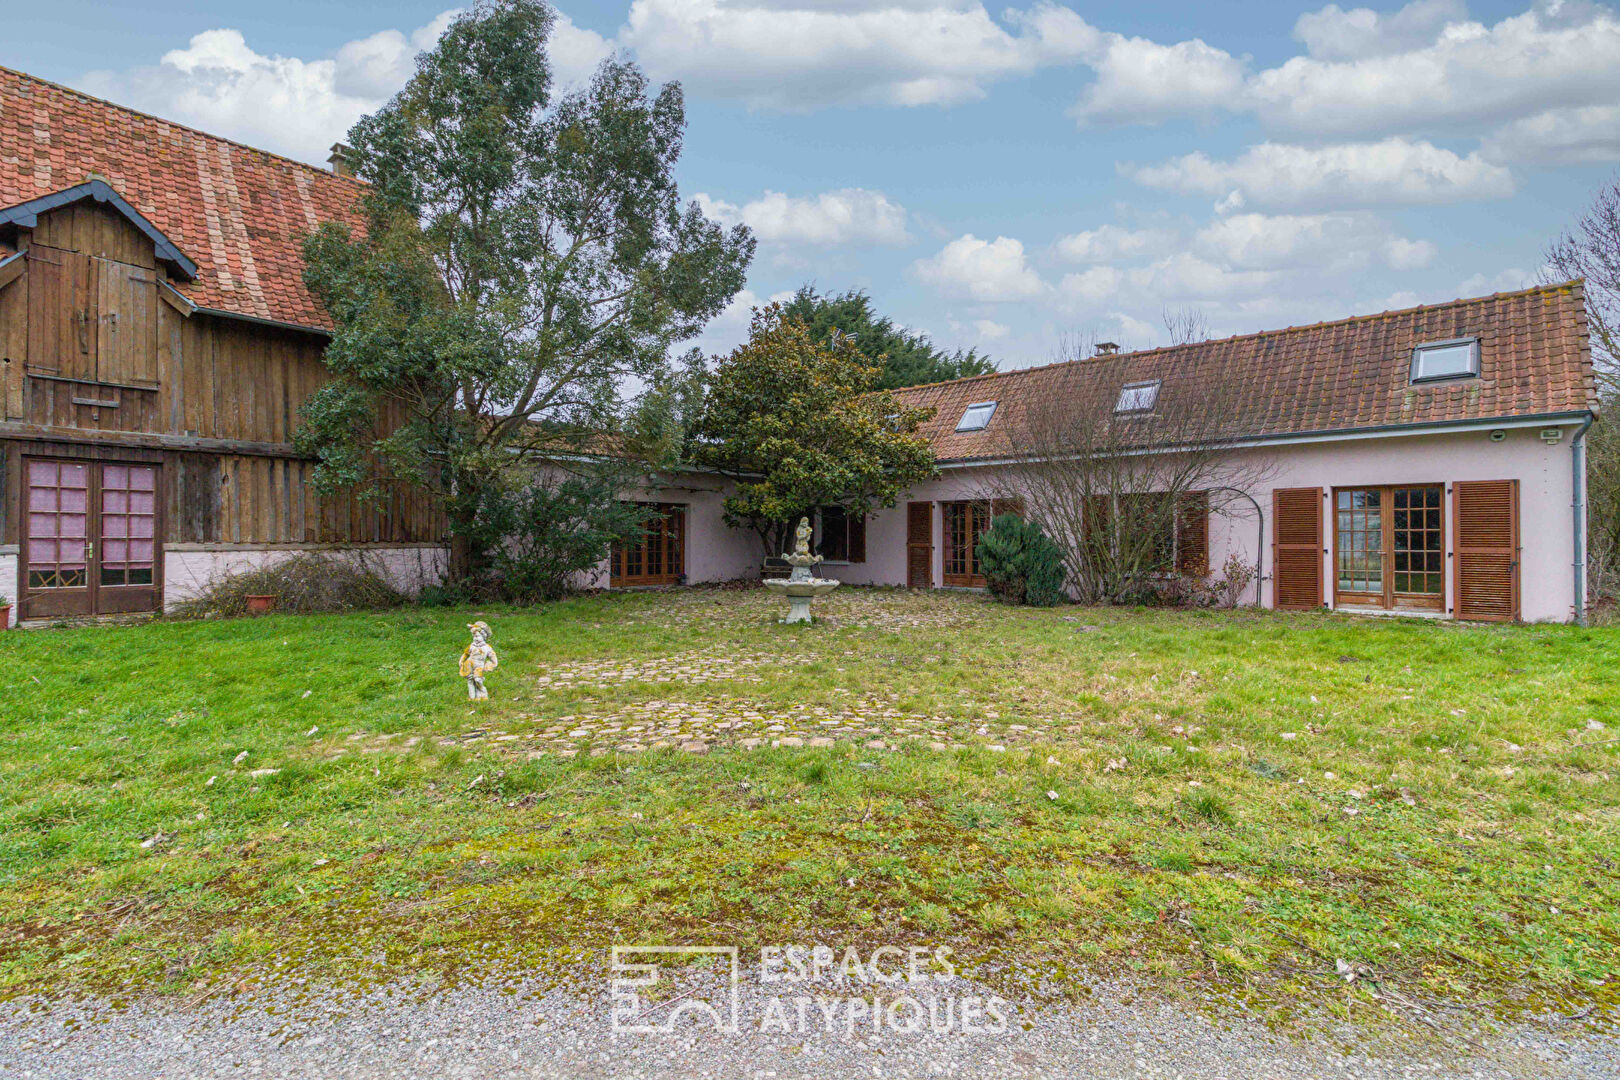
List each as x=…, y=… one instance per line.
x=156, y=344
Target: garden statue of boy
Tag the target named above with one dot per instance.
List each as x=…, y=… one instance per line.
x=478, y=660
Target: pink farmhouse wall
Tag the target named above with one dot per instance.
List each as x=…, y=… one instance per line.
x=1542, y=469
x=713, y=551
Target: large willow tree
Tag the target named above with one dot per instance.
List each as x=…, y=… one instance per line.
x=524, y=256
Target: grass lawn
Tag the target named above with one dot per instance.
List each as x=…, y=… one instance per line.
x=1236, y=800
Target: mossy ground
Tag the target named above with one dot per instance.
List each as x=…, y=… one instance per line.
x=1442, y=814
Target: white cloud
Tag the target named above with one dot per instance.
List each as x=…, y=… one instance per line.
x=1393, y=171
x=1142, y=81
x=1098, y=285
x=1335, y=34
x=291, y=105
x=1558, y=137
x=1322, y=242
x=1510, y=280
x=846, y=216
x=575, y=51
x=1109, y=243
x=806, y=54
x=986, y=270
x=1558, y=54
x=989, y=330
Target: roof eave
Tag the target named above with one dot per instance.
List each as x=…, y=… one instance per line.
x=25, y=215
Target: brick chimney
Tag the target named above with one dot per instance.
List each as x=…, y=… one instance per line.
x=340, y=161
x=1107, y=348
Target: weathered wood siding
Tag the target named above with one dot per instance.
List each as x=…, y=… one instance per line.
x=95, y=355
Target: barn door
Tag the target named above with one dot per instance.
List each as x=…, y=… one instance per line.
x=1485, y=549
x=91, y=546
x=1296, y=548
x=63, y=313
x=919, y=545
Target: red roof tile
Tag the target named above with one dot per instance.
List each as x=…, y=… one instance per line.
x=238, y=212
x=1535, y=360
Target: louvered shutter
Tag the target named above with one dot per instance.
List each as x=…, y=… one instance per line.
x=857, y=538
x=1296, y=548
x=1485, y=549
x=1192, y=533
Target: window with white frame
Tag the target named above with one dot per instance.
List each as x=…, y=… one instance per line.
x=1137, y=397
x=976, y=417
x=1457, y=359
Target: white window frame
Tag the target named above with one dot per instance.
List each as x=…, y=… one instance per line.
x=963, y=425
x=1429, y=346
x=1129, y=395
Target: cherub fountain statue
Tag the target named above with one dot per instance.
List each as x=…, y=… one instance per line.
x=800, y=587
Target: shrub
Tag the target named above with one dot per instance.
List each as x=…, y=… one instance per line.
x=1021, y=563
x=304, y=584
x=542, y=532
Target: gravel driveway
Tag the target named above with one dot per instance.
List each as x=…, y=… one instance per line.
x=530, y=1032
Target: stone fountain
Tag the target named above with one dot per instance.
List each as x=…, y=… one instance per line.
x=800, y=587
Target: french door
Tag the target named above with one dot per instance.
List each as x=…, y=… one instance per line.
x=659, y=556
x=90, y=544
x=1389, y=546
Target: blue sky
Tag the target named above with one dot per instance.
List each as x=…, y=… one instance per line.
x=1004, y=177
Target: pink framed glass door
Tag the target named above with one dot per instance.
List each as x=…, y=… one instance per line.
x=90, y=544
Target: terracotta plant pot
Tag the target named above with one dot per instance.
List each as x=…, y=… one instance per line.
x=5, y=616
x=261, y=605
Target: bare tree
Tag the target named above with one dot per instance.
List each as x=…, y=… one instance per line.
x=1123, y=471
x=1591, y=250
x=1186, y=325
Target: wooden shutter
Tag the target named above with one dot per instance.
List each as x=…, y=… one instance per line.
x=857, y=538
x=62, y=316
x=1192, y=533
x=1296, y=548
x=127, y=332
x=919, y=545
x=1485, y=549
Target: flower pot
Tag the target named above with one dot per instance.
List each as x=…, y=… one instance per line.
x=5, y=616
x=261, y=605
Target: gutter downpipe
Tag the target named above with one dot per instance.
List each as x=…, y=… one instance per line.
x=1577, y=447
x=1260, y=536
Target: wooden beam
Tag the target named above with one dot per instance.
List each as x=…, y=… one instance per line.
x=39, y=433
x=12, y=268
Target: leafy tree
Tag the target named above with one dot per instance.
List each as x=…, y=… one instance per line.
x=905, y=357
x=1021, y=563
x=659, y=429
x=521, y=258
x=797, y=424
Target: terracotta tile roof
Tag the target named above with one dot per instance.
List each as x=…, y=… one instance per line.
x=238, y=212
x=1535, y=360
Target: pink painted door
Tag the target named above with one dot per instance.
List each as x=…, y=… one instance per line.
x=91, y=541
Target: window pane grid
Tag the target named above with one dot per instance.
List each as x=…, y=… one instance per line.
x=128, y=524
x=1418, y=541
x=58, y=516
x=1360, y=549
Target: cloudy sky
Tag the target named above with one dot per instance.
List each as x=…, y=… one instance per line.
x=1003, y=177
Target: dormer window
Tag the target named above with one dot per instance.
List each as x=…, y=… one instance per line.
x=976, y=417
x=1458, y=359
x=1137, y=397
